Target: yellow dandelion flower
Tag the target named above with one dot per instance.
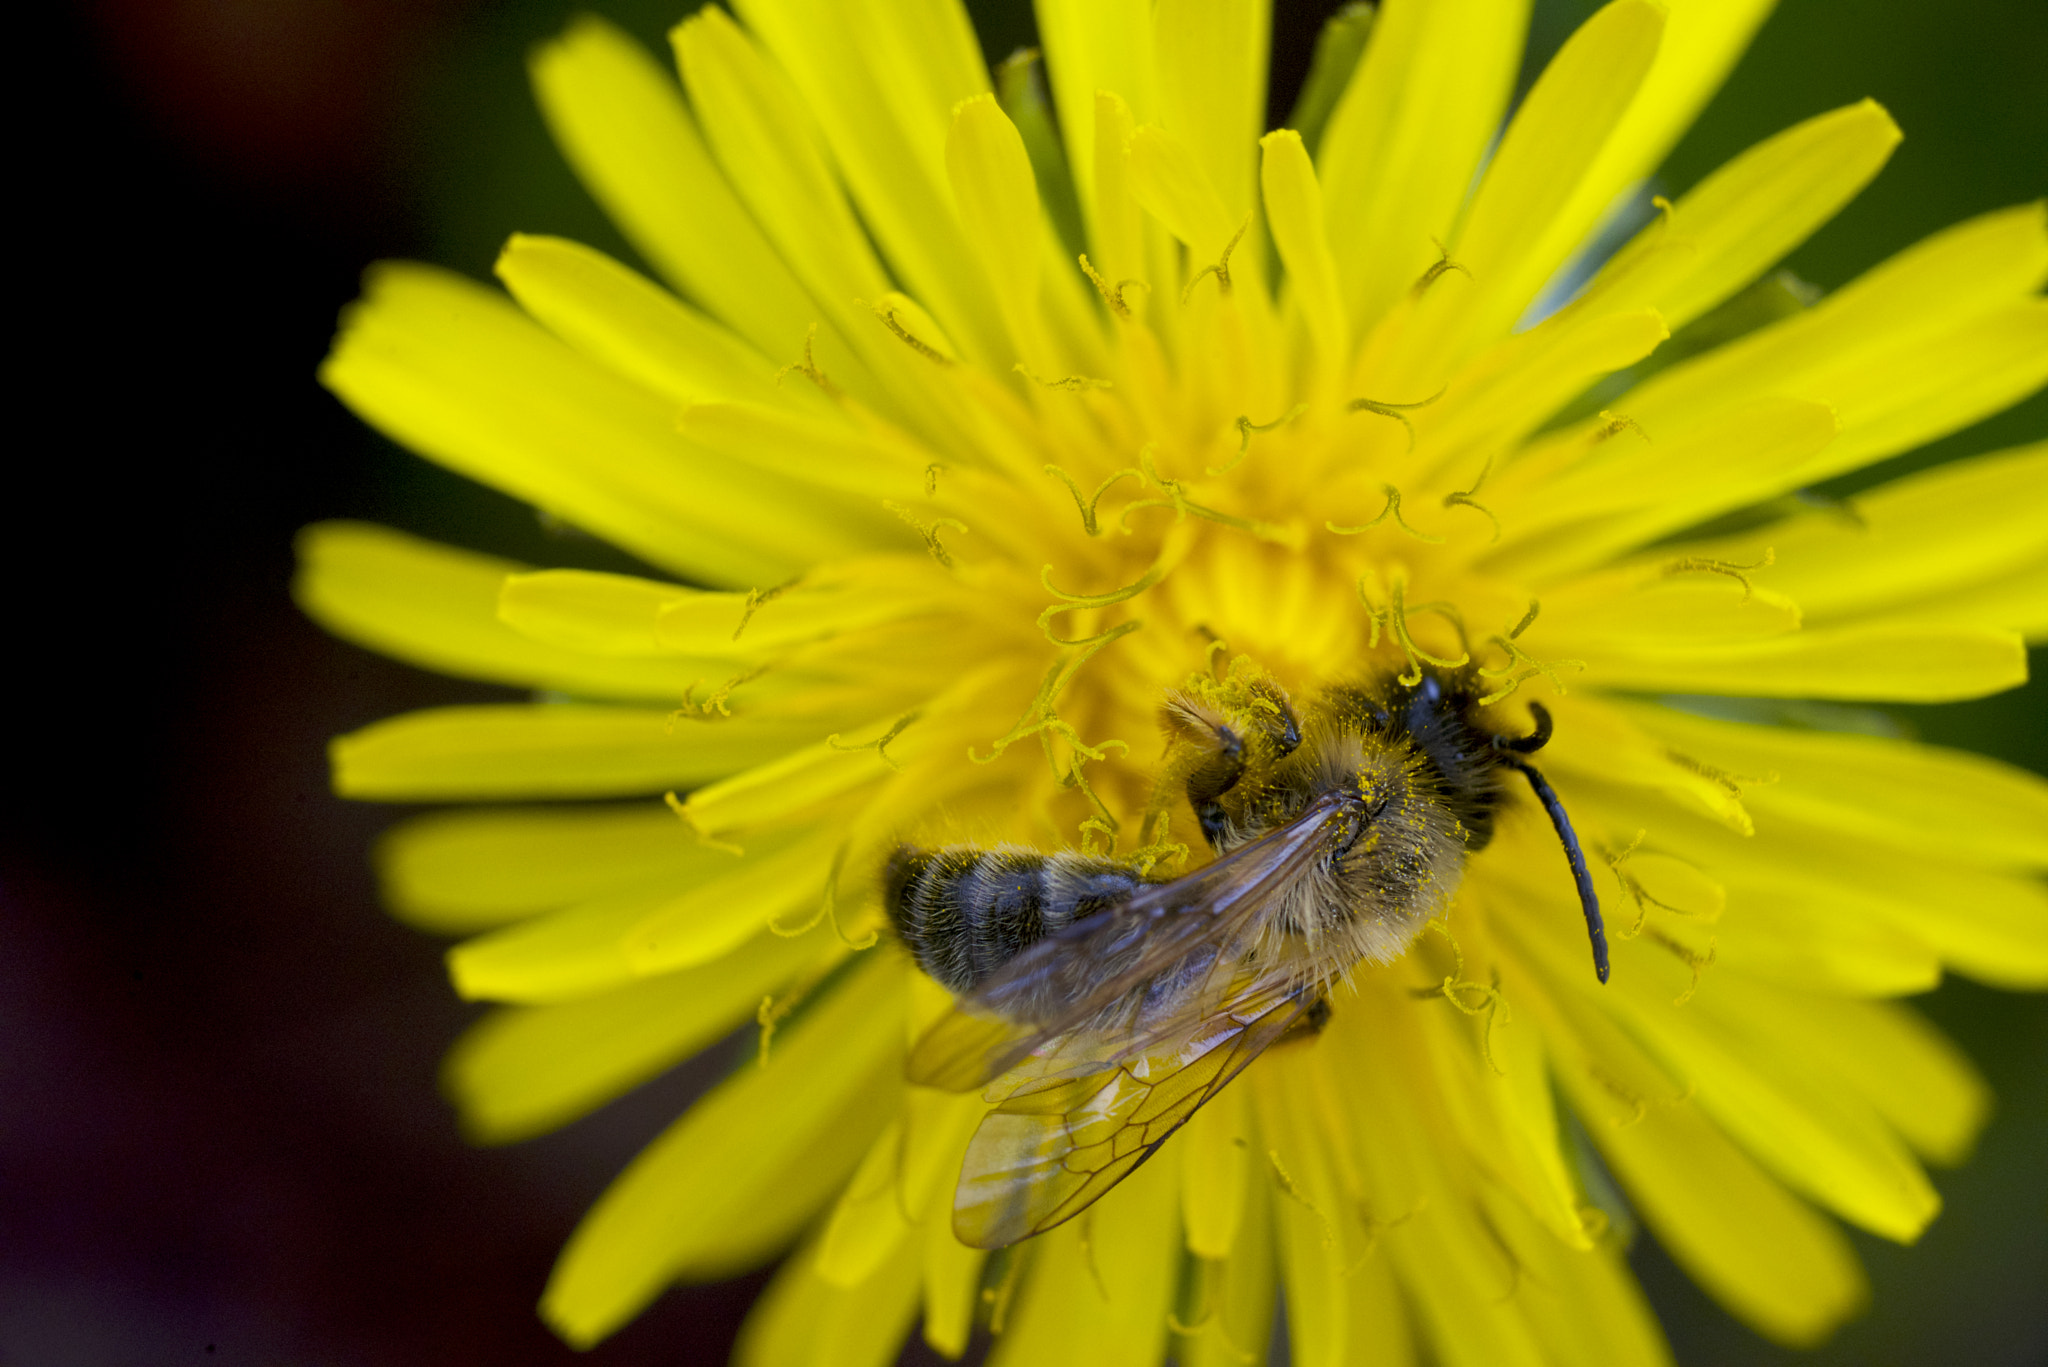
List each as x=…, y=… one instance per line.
x=975, y=427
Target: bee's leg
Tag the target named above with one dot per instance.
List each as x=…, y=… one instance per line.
x=1274, y=716
x=1311, y=1021
x=1211, y=756
x=1211, y=778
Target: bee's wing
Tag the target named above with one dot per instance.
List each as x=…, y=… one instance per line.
x=1134, y=976
x=1047, y=1153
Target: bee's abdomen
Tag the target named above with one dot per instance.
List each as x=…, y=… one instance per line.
x=964, y=912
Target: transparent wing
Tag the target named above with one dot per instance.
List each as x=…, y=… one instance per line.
x=1133, y=977
x=1049, y=1151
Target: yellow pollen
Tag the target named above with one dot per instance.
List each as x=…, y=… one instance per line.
x=1113, y=295
x=1393, y=510
x=1087, y=505
x=1397, y=411
x=1245, y=428
x=1700, y=564
x=689, y=819
x=809, y=366
x=880, y=745
x=1070, y=383
x=1614, y=424
x=1293, y=1192
x=929, y=531
x=1221, y=269
x=907, y=337
x=1443, y=263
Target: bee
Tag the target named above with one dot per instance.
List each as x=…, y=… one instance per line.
x=1108, y=1004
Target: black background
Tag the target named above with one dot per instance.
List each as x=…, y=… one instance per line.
x=220, y=1135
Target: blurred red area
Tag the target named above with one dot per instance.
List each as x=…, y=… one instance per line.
x=288, y=92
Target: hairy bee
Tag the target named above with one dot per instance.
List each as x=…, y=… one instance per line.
x=1090, y=985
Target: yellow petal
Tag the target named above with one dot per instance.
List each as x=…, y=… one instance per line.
x=867, y=1224
x=1894, y=792
x=1227, y=1312
x=787, y=786
x=1118, y=239
x=1545, y=155
x=1507, y=391
x=1294, y=211
x=1215, y=1161
x=1796, y=1123
x=2017, y=600
x=1958, y=525
x=1612, y=618
x=1702, y=40
x=1760, y=1251
x=1329, y=1269
x=455, y=872
x=1991, y=925
x=763, y=138
x=736, y=1177
x=1211, y=60
x=1733, y=225
x=1627, y=487
x=610, y=940
x=1883, y=1053
x=936, y=1128
x=1397, y=159
x=882, y=78
x=457, y=373
x=616, y=614
x=1091, y=46
x=593, y=612
x=996, y=195
x=432, y=606
x=1908, y=662
x=1783, y=921
x=952, y=1285
x=459, y=754
x=1100, y=1287
x=1418, y=1195
x=1932, y=339
x=624, y=127
x=1490, y=1073
x=1599, y=743
x=804, y=1319
x=522, y=1071
x=626, y=322
x=1580, y=1305
x=1168, y=179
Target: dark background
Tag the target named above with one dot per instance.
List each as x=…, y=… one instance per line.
x=220, y=1137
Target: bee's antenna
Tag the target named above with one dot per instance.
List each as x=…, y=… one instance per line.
x=1596, y=930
